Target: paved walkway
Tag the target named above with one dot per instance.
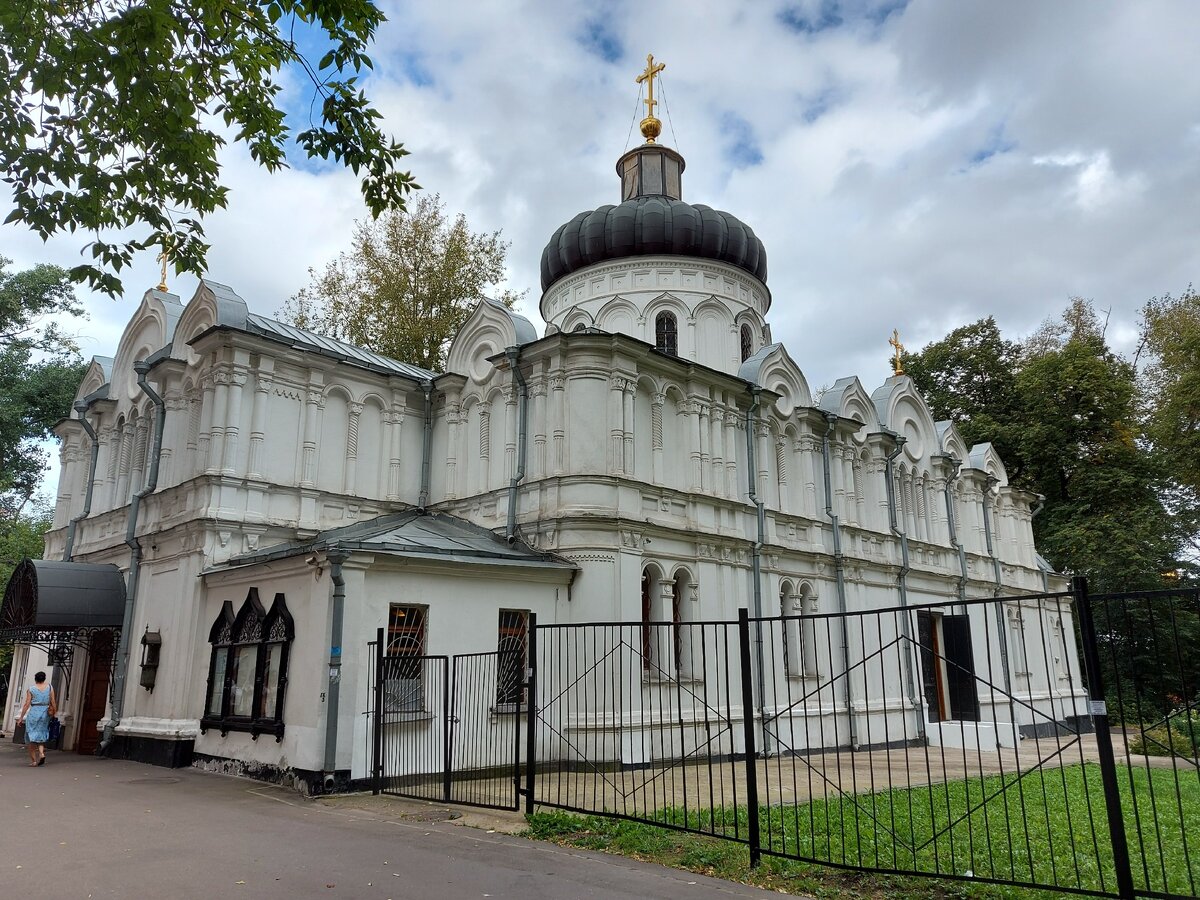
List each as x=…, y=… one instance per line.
x=89, y=828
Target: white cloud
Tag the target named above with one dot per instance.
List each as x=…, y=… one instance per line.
x=951, y=162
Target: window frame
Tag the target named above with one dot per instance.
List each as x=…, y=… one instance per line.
x=746, y=342
x=419, y=634
x=262, y=630
x=515, y=629
x=666, y=339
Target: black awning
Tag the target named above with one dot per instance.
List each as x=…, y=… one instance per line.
x=49, y=595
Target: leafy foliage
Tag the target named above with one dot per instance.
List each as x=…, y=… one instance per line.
x=406, y=286
x=20, y=538
x=40, y=370
x=1065, y=413
x=114, y=112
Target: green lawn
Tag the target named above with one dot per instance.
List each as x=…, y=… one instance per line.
x=1039, y=830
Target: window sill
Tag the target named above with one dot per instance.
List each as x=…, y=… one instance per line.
x=400, y=718
x=663, y=679
x=255, y=727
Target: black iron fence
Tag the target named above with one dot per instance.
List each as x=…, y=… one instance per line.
x=964, y=740
x=1048, y=741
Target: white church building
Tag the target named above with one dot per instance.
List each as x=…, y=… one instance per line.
x=245, y=503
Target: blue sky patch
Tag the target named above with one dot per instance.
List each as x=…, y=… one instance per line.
x=995, y=143
x=827, y=15
x=599, y=39
x=741, y=146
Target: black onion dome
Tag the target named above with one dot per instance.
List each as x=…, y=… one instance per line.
x=652, y=225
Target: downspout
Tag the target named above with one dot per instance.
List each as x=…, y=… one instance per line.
x=952, y=523
x=68, y=550
x=514, y=361
x=1033, y=514
x=839, y=568
x=987, y=533
x=756, y=554
x=141, y=367
x=335, y=558
x=902, y=583
x=426, y=446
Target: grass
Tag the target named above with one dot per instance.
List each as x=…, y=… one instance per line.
x=1050, y=829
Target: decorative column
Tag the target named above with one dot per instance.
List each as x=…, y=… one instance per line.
x=656, y=436
x=112, y=449
x=355, y=410
x=137, y=472
x=485, y=446
x=510, y=432
x=558, y=386
x=216, y=446
x=765, y=458
x=717, y=444
x=121, y=496
x=233, y=422
x=702, y=413
x=845, y=454
x=693, y=412
x=627, y=426
x=263, y=382
x=453, y=420
x=204, y=438
x=393, y=420
x=314, y=406
x=805, y=447
x=538, y=394
x=781, y=472
x=616, y=426
x=733, y=427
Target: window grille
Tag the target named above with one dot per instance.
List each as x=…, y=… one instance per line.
x=513, y=647
x=666, y=333
x=404, y=674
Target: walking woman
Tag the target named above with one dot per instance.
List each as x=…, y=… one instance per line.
x=40, y=706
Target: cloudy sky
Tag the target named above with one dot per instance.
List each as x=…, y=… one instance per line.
x=914, y=166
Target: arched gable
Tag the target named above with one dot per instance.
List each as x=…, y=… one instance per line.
x=213, y=304
x=985, y=458
x=490, y=329
x=150, y=328
x=950, y=441
x=902, y=410
x=618, y=316
x=773, y=369
x=578, y=320
x=850, y=400
x=98, y=375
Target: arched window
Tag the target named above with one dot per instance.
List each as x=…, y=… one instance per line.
x=247, y=674
x=666, y=333
x=789, y=608
x=747, y=343
x=647, y=618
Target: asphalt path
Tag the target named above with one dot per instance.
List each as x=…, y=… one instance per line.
x=81, y=827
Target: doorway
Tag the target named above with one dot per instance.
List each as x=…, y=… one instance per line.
x=947, y=667
x=95, y=692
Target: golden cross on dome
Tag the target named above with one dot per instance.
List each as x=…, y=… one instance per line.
x=897, y=366
x=651, y=126
x=162, y=258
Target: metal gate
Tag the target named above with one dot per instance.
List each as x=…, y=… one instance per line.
x=447, y=728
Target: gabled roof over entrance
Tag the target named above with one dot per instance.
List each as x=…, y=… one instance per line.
x=412, y=534
x=49, y=595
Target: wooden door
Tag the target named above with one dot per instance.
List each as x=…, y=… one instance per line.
x=95, y=692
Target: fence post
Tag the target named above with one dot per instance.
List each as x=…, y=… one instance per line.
x=377, y=717
x=449, y=687
x=1099, y=713
x=748, y=726
x=530, y=712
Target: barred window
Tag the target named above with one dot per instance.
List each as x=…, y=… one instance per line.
x=247, y=673
x=747, y=342
x=404, y=667
x=666, y=333
x=513, y=648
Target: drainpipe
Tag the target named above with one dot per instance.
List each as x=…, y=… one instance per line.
x=135, y=557
x=839, y=568
x=82, y=408
x=952, y=522
x=335, y=559
x=1033, y=514
x=514, y=361
x=902, y=582
x=426, y=446
x=756, y=554
x=992, y=483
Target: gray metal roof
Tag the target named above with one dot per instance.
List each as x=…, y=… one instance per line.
x=327, y=346
x=413, y=534
x=55, y=595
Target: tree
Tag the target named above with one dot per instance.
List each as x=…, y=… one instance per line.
x=40, y=371
x=114, y=112
x=20, y=538
x=969, y=376
x=406, y=285
x=1171, y=388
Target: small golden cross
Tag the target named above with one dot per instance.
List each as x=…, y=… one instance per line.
x=897, y=366
x=162, y=258
x=648, y=76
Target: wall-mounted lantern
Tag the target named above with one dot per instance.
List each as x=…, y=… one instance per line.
x=151, y=646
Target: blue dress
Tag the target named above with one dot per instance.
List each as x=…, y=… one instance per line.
x=37, y=720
